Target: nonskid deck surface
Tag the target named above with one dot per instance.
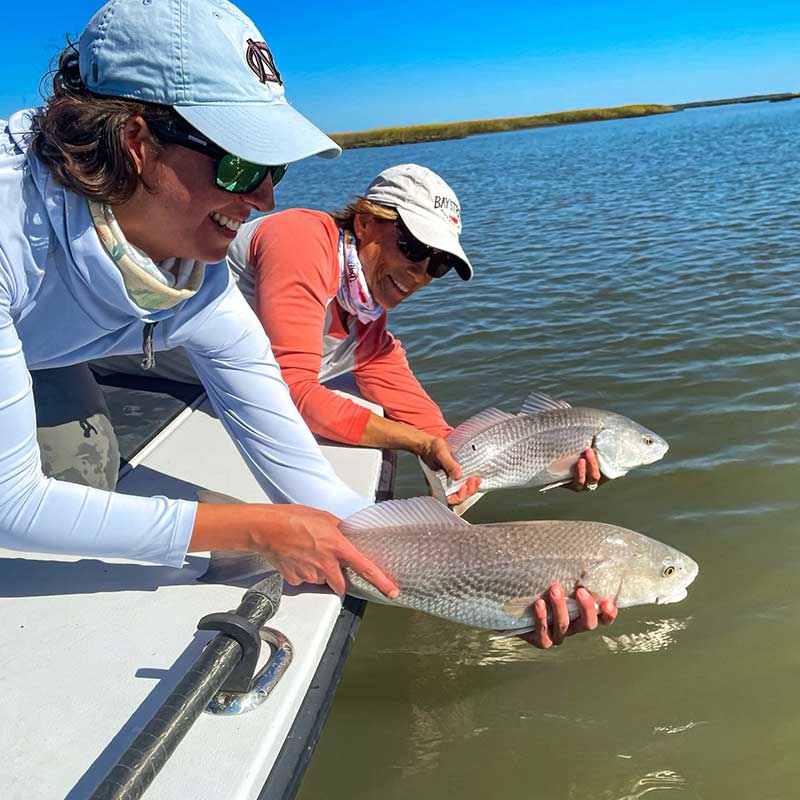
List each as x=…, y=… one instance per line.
x=90, y=648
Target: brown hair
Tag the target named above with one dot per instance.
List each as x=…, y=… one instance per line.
x=79, y=135
x=360, y=205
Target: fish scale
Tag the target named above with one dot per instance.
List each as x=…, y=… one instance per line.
x=541, y=447
x=514, y=563
x=519, y=452
x=489, y=575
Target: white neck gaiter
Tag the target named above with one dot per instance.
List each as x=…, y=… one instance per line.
x=353, y=294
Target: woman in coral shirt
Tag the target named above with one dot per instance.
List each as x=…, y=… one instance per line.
x=321, y=286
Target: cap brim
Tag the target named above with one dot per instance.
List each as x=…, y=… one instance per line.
x=263, y=133
x=435, y=234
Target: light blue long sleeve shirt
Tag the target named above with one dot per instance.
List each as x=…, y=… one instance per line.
x=63, y=302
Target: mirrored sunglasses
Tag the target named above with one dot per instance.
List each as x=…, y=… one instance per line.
x=233, y=174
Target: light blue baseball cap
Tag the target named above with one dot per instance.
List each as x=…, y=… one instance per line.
x=208, y=61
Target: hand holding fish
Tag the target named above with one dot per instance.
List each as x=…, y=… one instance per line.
x=587, y=473
x=304, y=544
x=546, y=636
x=437, y=455
x=499, y=576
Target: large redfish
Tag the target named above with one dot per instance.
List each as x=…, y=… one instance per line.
x=489, y=576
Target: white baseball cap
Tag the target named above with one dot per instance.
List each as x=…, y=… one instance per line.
x=427, y=206
x=208, y=61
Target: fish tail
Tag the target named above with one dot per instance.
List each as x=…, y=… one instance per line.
x=210, y=496
x=235, y=567
x=462, y=507
x=435, y=482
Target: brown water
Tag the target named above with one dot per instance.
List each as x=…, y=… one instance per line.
x=648, y=267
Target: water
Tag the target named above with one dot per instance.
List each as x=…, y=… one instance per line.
x=650, y=267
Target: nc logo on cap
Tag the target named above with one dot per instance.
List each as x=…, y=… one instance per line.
x=261, y=62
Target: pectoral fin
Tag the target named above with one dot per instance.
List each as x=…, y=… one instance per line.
x=555, y=485
x=512, y=632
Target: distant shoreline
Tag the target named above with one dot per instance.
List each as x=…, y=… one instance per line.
x=436, y=132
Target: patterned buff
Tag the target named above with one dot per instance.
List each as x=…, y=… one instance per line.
x=151, y=286
x=353, y=294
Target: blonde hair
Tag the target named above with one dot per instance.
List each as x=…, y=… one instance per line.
x=345, y=217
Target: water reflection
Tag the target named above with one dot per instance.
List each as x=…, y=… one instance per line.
x=659, y=637
x=649, y=267
x=654, y=782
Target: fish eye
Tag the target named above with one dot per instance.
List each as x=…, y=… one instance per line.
x=668, y=570
x=649, y=440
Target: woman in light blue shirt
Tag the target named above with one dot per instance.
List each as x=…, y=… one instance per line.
x=120, y=197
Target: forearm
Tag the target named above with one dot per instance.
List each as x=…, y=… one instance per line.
x=231, y=527
x=387, y=380
x=326, y=413
x=386, y=433
x=232, y=355
x=302, y=543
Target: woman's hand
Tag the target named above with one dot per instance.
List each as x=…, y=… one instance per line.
x=587, y=473
x=302, y=543
x=436, y=454
x=545, y=636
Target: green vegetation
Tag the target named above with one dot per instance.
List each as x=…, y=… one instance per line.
x=752, y=98
x=381, y=137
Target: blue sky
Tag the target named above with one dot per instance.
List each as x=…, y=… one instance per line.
x=352, y=66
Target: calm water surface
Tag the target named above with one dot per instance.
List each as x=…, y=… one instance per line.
x=650, y=267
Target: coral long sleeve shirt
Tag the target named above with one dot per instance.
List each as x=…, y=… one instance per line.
x=293, y=259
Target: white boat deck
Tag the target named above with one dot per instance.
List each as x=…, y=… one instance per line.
x=90, y=649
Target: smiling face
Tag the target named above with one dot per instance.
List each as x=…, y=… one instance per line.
x=390, y=276
x=183, y=214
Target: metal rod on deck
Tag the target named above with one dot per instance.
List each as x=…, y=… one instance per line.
x=141, y=762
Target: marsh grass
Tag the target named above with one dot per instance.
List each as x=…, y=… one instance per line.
x=382, y=137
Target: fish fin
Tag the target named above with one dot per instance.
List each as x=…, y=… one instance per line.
x=435, y=481
x=513, y=632
x=425, y=510
x=536, y=402
x=475, y=425
x=461, y=507
x=555, y=485
x=234, y=566
x=210, y=496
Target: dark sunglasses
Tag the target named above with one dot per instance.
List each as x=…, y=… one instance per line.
x=233, y=174
x=439, y=263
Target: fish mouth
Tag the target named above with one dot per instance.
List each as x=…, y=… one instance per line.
x=675, y=597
